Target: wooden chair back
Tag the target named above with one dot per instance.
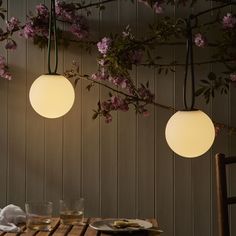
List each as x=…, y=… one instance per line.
x=222, y=196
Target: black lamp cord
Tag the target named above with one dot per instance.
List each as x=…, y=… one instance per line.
x=189, y=62
x=52, y=27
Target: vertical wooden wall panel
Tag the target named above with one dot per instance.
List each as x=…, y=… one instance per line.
x=127, y=133
x=72, y=136
x=90, y=128
x=17, y=111
x=145, y=131
x=54, y=131
x=53, y=161
x=164, y=163
x=201, y=166
x=35, y=159
x=182, y=175
x=220, y=111
x=3, y=126
x=108, y=134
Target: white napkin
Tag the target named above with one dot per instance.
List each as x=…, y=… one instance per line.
x=9, y=217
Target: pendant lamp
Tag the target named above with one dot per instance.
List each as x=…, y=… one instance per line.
x=52, y=95
x=190, y=133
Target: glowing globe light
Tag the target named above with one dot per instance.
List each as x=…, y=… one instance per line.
x=51, y=96
x=190, y=133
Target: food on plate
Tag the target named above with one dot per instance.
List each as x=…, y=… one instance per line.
x=125, y=224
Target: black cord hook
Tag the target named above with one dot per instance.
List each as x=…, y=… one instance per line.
x=189, y=62
x=52, y=26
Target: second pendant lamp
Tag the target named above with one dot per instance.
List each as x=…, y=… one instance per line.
x=190, y=133
x=52, y=95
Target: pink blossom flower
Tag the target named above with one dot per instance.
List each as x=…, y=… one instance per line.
x=66, y=11
x=101, y=62
x=229, y=21
x=42, y=10
x=217, y=130
x=115, y=103
x=106, y=105
x=4, y=73
x=158, y=8
x=233, y=77
x=28, y=31
x=79, y=27
x=127, y=33
x=108, y=118
x=135, y=56
x=104, y=45
x=200, y=40
x=99, y=76
x=12, y=24
x=156, y=5
x=11, y=44
x=145, y=94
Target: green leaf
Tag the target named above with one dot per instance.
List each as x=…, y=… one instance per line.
x=76, y=82
x=89, y=86
x=95, y=115
x=199, y=91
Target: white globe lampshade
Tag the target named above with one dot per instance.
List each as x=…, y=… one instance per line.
x=190, y=133
x=51, y=96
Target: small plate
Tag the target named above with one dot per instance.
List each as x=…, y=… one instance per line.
x=106, y=225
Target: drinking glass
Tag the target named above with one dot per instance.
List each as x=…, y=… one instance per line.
x=39, y=215
x=72, y=211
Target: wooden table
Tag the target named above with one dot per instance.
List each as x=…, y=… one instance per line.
x=70, y=230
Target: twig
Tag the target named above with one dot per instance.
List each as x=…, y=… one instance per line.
x=94, y=4
x=183, y=64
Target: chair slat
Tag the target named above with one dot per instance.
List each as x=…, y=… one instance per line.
x=231, y=200
x=230, y=160
x=221, y=186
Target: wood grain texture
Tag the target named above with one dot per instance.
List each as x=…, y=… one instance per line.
x=145, y=132
x=164, y=158
x=17, y=113
x=3, y=128
x=127, y=181
x=59, y=229
x=35, y=124
x=182, y=166
x=90, y=129
x=72, y=134
x=54, y=147
x=108, y=132
x=201, y=167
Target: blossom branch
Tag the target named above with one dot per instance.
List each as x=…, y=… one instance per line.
x=183, y=64
x=218, y=125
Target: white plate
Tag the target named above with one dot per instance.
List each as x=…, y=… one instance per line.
x=106, y=225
